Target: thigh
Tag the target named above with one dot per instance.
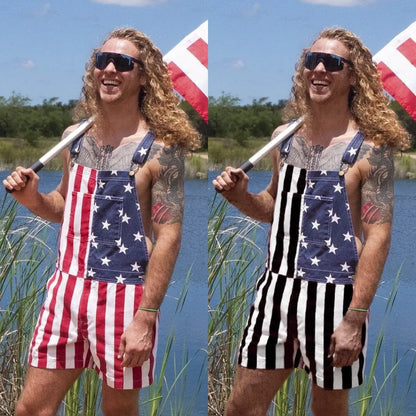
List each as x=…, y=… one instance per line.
x=256, y=387
x=119, y=402
x=45, y=389
x=329, y=402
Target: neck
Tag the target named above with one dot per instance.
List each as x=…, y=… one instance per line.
x=115, y=125
x=325, y=124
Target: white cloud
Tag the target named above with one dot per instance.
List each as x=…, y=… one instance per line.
x=27, y=64
x=132, y=3
x=340, y=3
x=253, y=11
x=43, y=10
x=236, y=63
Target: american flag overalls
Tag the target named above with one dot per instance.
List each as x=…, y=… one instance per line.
x=98, y=282
x=307, y=285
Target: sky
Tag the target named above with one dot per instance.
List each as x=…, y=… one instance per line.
x=253, y=45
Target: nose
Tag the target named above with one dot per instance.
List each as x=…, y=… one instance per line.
x=110, y=66
x=320, y=66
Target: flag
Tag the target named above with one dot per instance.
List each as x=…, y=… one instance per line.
x=397, y=64
x=188, y=64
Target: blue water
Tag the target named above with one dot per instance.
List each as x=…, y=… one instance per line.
x=190, y=324
x=400, y=325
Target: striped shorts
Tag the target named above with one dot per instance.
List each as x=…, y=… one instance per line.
x=80, y=326
x=290, y=326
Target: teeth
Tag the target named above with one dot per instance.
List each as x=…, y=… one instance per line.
x=320, y=83
x=109, y=82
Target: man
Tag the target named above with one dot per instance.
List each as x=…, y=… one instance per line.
x=330, y=203
x=120, y=201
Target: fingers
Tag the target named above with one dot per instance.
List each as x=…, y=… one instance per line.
x=342, y=357
x=132, y=357
x=228, y=179
x=18, y=179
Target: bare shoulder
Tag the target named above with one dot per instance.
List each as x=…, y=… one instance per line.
x=377, y=172
x=167, y=166
x=376, y=160
x=278, y=130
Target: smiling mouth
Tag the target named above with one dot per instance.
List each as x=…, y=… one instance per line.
x=318, y=83
x=110, y=83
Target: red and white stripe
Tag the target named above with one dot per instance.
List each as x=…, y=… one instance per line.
x=397, y=64
x=101, y=312
x=77, y=220
x=188, y=64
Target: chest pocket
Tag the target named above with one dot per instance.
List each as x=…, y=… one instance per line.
x=106, y=223
x=317, y=215
x=105, y=215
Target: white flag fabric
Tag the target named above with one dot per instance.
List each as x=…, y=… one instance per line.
x=188, y=64
x=397, y=64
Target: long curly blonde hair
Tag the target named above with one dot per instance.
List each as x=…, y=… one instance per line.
x=157, y=100
x=368, y=104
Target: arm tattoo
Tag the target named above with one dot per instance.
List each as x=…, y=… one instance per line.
x=377, y=191
x=168, y=189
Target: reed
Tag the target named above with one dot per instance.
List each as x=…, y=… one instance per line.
x=233, y=259
x=23, y=255
x=26, y=261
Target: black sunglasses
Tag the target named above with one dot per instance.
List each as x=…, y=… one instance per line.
x=332, y=63
x=121, y=62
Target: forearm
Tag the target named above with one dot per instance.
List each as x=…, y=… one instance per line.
x=160, y=268
x=47, y=206
x=257, y=206
x=368, y=274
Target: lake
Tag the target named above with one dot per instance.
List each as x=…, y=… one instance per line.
x=190, y=324
x=400, y=325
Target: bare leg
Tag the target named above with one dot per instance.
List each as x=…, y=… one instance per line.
x=329, y=402
x=44, y=391
x=253, y=391
x=120, y=402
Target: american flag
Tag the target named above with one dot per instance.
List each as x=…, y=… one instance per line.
x=188, y=64
x=397, y=64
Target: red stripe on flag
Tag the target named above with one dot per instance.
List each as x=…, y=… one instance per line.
x=398, y=89
x=185, y=87
x=200, y=50
x=119, y=326
x=43, y=346
x=65, y=322
x=84, y=232
x=100, y=326
x=408, y=49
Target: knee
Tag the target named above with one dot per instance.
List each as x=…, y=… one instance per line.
x=236, y=407
x=114, y=408
x=24, y=408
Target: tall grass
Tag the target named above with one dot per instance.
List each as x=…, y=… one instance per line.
x=235, y=262
x=23, y=254
x=26, y=261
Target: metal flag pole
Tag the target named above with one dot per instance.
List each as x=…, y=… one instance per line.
x=39, y=164
x=246, y=166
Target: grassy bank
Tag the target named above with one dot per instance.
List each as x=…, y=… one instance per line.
x=234, y=264
x=16, y=152
x=26, y=262
x=228, y=152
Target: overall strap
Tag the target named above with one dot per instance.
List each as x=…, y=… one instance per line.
x=76, y=147
x=285, y=147
x=142, y=152
x=352, y=150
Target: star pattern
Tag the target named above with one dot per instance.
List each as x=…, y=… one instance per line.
x=103, y=215
x=117, y=245
x=326, y=242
